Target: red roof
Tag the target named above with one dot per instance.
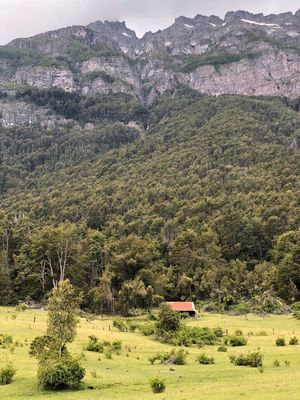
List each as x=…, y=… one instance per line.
x=183, y=306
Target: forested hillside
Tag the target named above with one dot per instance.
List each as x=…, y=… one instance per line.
x=198, y=199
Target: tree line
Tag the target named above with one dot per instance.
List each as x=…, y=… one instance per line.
x=203, y=206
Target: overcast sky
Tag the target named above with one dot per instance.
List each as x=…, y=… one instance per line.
x=23, y=18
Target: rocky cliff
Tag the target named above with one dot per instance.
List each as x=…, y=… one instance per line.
x=249, y=54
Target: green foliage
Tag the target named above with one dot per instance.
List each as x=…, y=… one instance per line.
x=168, y=321
x=189, y=209
x=195, y=61
x=91, y=76
x=111, y=107
x=148, y=329
x=94, y=345
x=205, y=359
x=44, y=347
x=108, y=353
x=157, y=385
x=120, y=324
x=63, y=310
x=116, y=346
x=176, y=357
x=293, y=341
x=63, y=373
x=57, y=369
x=252, y=359
x=280, y=341
x=21, y=307
x=235, y=340
x=187, y=336
x=222, y=348
x=286, y=254
x=295, y=306
x=296, y=314
x=5, y=340
x=6, y=374
x=104, y=347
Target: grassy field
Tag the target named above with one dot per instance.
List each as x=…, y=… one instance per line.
x=127, y=376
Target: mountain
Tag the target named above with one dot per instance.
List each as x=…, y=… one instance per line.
x=165, y=167
x=249, y=54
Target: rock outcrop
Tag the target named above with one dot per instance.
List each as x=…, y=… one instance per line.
x=245, y=53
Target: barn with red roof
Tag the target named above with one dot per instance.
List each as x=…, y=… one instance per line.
x=183, y=307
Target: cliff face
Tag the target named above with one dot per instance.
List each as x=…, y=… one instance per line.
x=242, y=54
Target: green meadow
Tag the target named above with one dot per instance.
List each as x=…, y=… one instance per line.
x=126, y=376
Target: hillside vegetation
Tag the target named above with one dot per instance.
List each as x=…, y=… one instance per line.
x=198, y=201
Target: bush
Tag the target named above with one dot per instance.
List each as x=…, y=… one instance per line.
x=262, y=333
x=187, y=336
x=157, y=385
x=147, y=329
x=222, y=348
x=94, y=345
x=280, y=341
x=276, y=363
x=60, y=374
x=251, y=360
x=168, y=320
x=296, y=314
x=6, y=374
x=116, y=346
x=173, y=357
x=295, y=306
x=21, y=307
x=293, y=341
x=179, y=357
x=5, y=340
x=151, y=316
x=238, y=332
x=218, y=332
x=108, y=354
x=235, y=340
x=204, y=359
x=132, y=326
x=120, y=324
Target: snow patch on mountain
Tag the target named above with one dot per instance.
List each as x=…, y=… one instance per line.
x=247, y=21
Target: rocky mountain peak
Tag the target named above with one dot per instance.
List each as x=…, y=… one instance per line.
x=246, y=53
x=123, y=36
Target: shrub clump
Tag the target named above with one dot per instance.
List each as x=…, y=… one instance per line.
x=103, y=347
x=253, y=360
x=60, y=374
x=188, y=336
x=235, y=340
x=157, y=385
x=6, y=374
x=205, y=359
x=21, y=307
x=5, y=340
x=147, y=329
x=120, y=324
x=94, y=345
x=293, y=341
x=222, y=348
x=280, y=341
x=173, y=357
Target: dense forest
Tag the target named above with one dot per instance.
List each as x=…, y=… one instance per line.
x=198, y=200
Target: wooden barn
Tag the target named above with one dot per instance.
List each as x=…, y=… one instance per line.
x=183, y=307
